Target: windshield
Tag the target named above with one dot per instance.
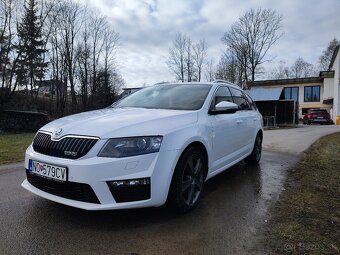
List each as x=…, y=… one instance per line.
x=170, y=96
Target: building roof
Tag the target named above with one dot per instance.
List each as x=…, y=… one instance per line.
x=327, y=74
x=285, y=81
x=265, y=94
x=336, y=50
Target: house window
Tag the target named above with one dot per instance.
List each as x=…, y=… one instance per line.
x=312, y=94
x=291, y=93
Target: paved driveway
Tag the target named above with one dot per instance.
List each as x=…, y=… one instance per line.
x=295, y=140
x=232, y=212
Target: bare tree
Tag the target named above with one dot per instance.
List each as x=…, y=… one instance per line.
x=186, y=59
x=111, y=43
x=282, y=71
x=325, y=58
x=96, y=54
x=301, y=69
x=251, y=37
x=83, y=58
x=68, y=22
x=58, y=70
x=189, y=64
x=9, y=12
x=199, y=58
x=98, y=25
x=176, y=60
x=227, y=69
x=79, y=44
x=210, y=71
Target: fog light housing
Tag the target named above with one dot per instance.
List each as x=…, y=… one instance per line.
x=130, y=190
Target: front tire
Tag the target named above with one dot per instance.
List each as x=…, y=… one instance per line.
x=255, y=156
x=188, y=180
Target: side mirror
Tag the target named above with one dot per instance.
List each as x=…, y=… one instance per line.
x=224, y=107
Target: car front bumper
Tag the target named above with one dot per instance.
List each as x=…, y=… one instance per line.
x=98, y=172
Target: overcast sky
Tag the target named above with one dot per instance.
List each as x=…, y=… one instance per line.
x=147, y=28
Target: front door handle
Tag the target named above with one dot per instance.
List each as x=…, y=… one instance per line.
x=255, y=119
x=239, y=121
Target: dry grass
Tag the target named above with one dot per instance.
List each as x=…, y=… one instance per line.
x=307, y=218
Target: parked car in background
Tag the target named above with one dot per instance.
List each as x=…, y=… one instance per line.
x=320, y=116
x=159, y=144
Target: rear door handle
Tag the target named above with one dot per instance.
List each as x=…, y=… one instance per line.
x=239, y=121
x=255, y=119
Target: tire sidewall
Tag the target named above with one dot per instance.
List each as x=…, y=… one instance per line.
x=175, y=194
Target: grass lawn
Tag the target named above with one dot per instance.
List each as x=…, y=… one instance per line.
x=13, y=146
x=306, y=219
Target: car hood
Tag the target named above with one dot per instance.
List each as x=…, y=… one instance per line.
x=122, y=122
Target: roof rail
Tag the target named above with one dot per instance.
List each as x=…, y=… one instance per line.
x=222, y=81
x=162, y=82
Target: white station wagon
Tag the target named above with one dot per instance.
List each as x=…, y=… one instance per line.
x=159, y=144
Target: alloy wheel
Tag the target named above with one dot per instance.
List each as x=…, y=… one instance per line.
x=193, y=179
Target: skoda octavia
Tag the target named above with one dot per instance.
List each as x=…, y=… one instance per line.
x=157, y=145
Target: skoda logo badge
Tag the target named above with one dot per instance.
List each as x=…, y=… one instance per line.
x=58, y=132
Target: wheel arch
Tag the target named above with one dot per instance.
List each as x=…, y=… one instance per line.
x=197, y=144
x=260, y=131
x=194, y=143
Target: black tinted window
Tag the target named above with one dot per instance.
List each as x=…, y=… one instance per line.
x=222, y=94
x=250, y=101
x=239, y=99
x=312, y=94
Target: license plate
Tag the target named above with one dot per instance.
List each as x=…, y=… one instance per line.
x=49, y=171
x=319, y=117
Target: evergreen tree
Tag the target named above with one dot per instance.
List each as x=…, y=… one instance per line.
x=31, y=65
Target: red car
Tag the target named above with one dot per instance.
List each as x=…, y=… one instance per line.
x=317, y=116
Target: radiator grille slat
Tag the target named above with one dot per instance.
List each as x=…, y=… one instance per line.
x=75, y=147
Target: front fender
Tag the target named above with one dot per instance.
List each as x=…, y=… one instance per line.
x=180, y=139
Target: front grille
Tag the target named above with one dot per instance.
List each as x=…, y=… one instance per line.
x=68, y=147
x=71, y=190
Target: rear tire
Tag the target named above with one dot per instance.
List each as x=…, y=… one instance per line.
x=255, y=156
x=188, y=180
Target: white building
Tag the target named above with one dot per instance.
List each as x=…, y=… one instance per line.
x=308, y=93
x=332, y=85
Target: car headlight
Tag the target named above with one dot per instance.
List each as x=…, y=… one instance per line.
x=131, y=146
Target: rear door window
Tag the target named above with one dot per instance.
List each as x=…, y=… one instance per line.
x=240, y=99
x=251, y=102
